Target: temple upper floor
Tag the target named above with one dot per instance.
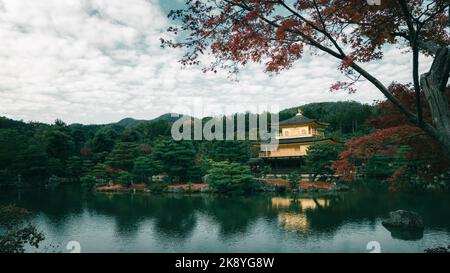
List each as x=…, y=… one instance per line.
x=299, y=126
x=298, y=131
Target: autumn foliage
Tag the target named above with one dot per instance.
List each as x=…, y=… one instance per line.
x=279, y=33
x=354, y=32
x=276, y=33
x=391, y=133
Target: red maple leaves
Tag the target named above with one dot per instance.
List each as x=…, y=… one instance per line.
x=391, y=132
x=249, y=30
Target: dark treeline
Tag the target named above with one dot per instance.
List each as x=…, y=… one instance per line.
x=346, y=118
x=134, y=150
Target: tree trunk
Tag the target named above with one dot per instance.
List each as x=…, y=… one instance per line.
x=434, y=86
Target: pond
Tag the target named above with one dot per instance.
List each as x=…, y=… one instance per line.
x=345, y=222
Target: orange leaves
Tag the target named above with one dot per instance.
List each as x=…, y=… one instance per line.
x=304, y=4
x=391, y=115
x=244, y=44
x=382, y=142
x=346, y=62
x=243, y=31
x=286, y=25
x=391, y=133
x=344, y=169
x=283, y=57
x=254, y=13
x=323, y=2
x=349, y=86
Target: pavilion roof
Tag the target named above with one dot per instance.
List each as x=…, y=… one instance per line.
x=300, y=120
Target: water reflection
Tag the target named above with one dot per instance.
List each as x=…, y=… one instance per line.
x=302, y=203
x=176, y=222
x=296, y=219
x=293, y=222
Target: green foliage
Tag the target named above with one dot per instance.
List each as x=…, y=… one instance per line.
x=79, y=135
x=6, y=178
x=130, y=135
x=231, y=177
x=232, y=151
x=265, y=170
x=401, y=157
x=158, y=186
x=205, y=165
x=59, y=143
x=17, y=231
x=100, y=171
x=194, y=174
x=150, y=131
x=100, y=157
x=378, y=166
x=143, y=169
x=88, y=181
x=35, y=151
x=320, y=156
x=86, y=166
x=11, y=142
x=21, y=155
x=104, y=140
x=122, y=156
x=293, y=179
x=347, y=117
x=74, y=166
x=56, y=167
x=33, y=162
x=176, y=158
x=125, y=178
x=381, y=167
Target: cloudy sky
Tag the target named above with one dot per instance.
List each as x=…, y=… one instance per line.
x=98, y=61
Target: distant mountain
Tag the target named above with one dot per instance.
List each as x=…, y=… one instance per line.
x=132, y=123
x=170, y=117
x=345, y=116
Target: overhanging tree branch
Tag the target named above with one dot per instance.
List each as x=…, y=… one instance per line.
x=413, y=39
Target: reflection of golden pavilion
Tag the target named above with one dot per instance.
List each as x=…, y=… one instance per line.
x=309, y=203
x=281, y=202
x=304, y=203
x=296, y=221
x=293, y=222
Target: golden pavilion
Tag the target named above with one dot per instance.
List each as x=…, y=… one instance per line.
x=294, y=136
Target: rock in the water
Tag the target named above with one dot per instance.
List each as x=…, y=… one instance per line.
x=404, y=219
x=410, y=234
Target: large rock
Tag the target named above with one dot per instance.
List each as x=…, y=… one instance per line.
x=411, y=234
x=404, y=219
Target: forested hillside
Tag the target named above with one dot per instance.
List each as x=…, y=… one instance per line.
x=32, y=152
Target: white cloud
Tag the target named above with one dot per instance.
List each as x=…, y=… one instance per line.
x=97, y=61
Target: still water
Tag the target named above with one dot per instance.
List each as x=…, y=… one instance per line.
x=207, y=223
